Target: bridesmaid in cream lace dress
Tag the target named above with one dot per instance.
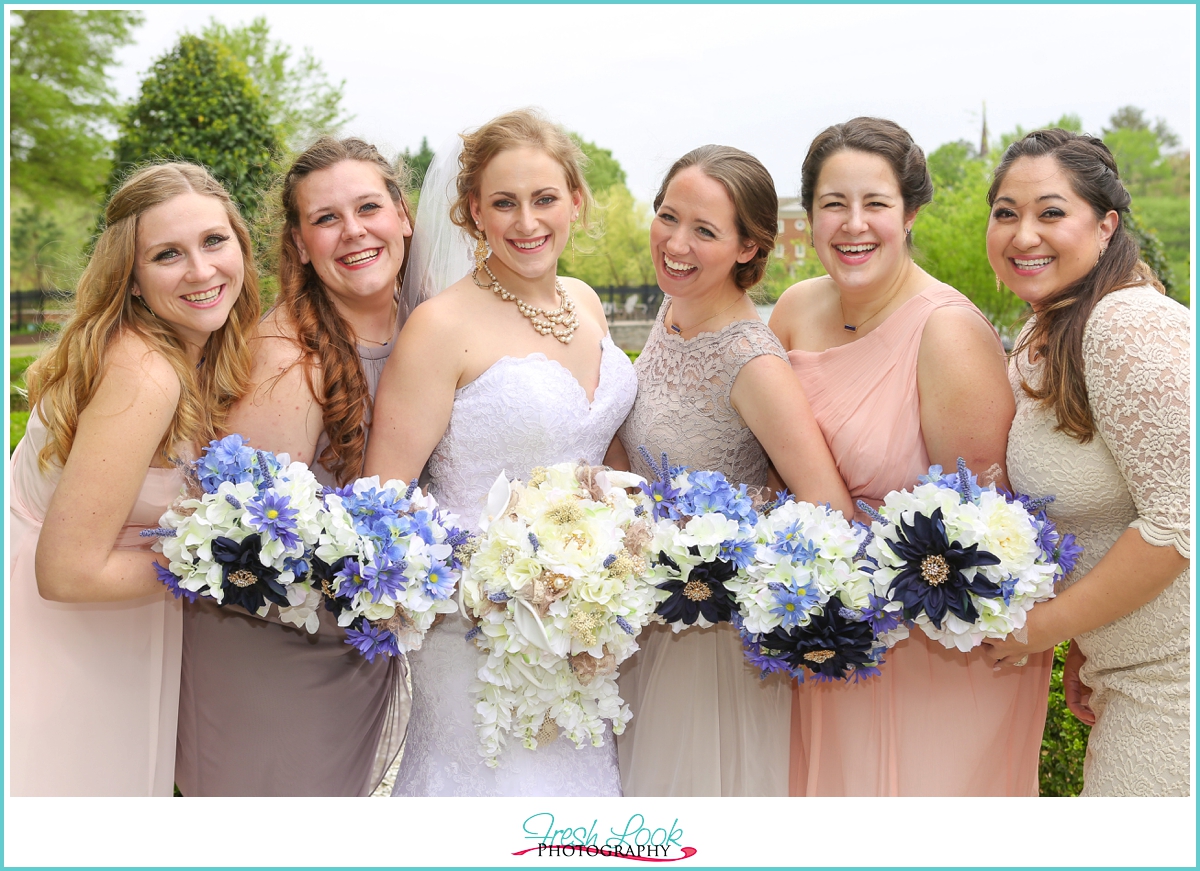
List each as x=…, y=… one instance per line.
x=715, y=392
x=1101, y=375
x=148, y=365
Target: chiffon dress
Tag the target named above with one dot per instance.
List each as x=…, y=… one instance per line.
x=266, y=709
x=1134, y=474
x=936, y=722
x=522, y=412
x=94, y=688
x=704, y=722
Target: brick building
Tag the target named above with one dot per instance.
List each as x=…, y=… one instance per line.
x=791, y=245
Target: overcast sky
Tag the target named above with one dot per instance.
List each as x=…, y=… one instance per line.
x=652, y=82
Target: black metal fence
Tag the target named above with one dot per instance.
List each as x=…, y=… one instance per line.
x=630, y=303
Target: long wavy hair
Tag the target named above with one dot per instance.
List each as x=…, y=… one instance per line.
x=1057, y=333
x=752, y=192
x=64, y=379
x=327, y=343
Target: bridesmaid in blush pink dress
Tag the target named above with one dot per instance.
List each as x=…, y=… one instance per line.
x=147, y=366
x=901, y=372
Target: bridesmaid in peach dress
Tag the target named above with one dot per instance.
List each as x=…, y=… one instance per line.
x=901, y=372
x=145, y=369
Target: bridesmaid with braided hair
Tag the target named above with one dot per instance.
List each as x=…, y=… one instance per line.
x=249, y=682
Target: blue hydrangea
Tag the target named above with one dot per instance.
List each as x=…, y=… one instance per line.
x=710, y=491
x=228, y=459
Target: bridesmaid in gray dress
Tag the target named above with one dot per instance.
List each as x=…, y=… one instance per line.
x=715, y=391
x=267, y=708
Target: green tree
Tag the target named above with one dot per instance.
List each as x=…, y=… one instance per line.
x=199, y=104
x=418, y=164
x=602, y=170
x=1140, y=149
x=61, y=99
x=33, y=233
x=302, y=102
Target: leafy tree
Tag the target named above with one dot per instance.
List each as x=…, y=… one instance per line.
x=602, y=170
x=1140, y=150
x=418, y=164
x=61, y=99
x=199, y=104
x=302, y=102
x=32, y=233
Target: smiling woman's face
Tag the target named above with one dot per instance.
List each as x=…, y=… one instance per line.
x=351, y=230
x=1041, y=235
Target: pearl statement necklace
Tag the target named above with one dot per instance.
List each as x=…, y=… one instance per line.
x=560, y=323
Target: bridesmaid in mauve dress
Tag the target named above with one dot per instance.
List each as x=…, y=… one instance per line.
x=715, y=393
x=267, y=708
x=901, y=372
x=94, y=642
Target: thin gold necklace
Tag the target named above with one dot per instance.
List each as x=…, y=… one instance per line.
x=678, y=329
x=395, y=307
x=560, y=323
x=851, y=328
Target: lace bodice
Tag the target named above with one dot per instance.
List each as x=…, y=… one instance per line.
x=520, y=413
x=683, y=404
x=1135, y=473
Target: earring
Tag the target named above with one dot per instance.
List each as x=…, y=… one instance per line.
x=145, y=304
x=999, y=285
x=481, y=252
x=908, y=232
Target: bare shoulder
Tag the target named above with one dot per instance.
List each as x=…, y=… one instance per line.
x=953, y=330
x=135, y=370
x=584, y=297
x=796, y=308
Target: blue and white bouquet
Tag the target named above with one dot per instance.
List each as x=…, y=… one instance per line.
x=806, y=602
x=703, y=537
x=387, y=563
x=557, y=585
x=965, y=562
x=248, y=535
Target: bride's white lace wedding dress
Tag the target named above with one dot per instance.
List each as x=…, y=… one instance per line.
x=519, y=414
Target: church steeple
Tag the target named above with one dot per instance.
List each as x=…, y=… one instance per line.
x=983, y=139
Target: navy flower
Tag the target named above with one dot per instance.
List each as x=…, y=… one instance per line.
x=323, y=574
x=936, y=577
x=703, y=593
x=245, y=581
x=831, y=646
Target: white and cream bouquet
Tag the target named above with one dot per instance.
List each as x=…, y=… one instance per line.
x=965, y=562
x=387, y=563
x=557, y=586
x=246, y=534
x=806, y=605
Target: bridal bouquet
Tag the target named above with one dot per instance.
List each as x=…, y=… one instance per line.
x=387, y=562
x=704, y=536
x=556, y=583
x=805, y=601
x=965, y=562
x=248, y=535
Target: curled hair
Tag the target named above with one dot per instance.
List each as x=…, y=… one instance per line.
x=752, y=191
x=327, y=343
x=1057, y=333
x=64, y=379
x=523, y=127
x=871, y=136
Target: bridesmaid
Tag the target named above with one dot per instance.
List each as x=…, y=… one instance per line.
x=902, y=371
x=715, y=392
x=266, y=708
x=1101, y=375
x=146, y=368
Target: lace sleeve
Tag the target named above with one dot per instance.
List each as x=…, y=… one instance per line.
x=1137, y=363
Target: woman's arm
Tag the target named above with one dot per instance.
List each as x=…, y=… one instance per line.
x=117, y=439
x=416, y=393
x=772, y=403
x=967, y=404
x=1137, y=366
x=279, y=412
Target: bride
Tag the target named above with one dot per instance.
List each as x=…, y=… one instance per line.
x=508, y=368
